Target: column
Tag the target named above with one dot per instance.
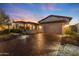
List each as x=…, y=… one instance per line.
x=24, y=26
x=32, y=26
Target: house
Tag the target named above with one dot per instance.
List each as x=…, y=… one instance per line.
x=54, y=24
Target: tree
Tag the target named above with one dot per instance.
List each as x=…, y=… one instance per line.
x=4, y=18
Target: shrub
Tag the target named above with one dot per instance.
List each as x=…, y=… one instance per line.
x=12, y=31
x=68, y=31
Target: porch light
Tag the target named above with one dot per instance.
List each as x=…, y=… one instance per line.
x=40, y=27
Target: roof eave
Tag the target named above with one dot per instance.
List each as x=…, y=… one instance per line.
x=70, y=18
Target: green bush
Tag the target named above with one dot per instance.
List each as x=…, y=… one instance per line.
x=12, y=31
x=70, y=32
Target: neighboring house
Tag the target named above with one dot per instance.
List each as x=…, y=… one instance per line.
x=73, y=28
x=77, y=25
x=54, y=24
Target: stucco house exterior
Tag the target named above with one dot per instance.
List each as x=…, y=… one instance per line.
x=54, y=24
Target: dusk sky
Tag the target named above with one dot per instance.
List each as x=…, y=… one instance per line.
x=36, y=12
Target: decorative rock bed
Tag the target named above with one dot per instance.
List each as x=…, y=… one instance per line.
x=65, y=50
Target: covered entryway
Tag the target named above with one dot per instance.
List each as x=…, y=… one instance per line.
x=27, y=26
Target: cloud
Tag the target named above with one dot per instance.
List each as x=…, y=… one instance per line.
x=74, y=21
x=17, y=13
x=22, y=14
x=49, y=6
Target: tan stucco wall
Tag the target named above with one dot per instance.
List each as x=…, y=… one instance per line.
x=56, y=28
x=3, y=27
